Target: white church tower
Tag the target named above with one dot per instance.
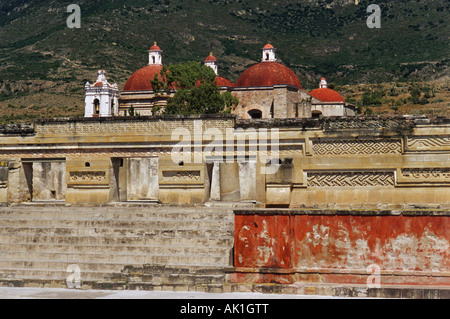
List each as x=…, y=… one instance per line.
x=155, y=55
x=323, y=83
x=268, y=53
x=211, y=61
x=101, y=98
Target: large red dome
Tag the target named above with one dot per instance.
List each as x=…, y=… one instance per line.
x=140, y=80
x=326, y=95
x=268, y=74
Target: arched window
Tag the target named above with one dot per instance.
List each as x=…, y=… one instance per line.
x=267, y=56
x=316, y=114
x=255, y=114
x=96, y=106
x=153, y=58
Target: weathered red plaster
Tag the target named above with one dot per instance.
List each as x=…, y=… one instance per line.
x=341, y=247
x=263, y=241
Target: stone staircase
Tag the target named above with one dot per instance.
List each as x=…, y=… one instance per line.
x=141, y=247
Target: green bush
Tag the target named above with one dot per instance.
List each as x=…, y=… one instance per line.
x=372, y=99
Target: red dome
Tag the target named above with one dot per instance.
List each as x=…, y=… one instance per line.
x=268, y=74
x=268, y=46
x=210, y=58
x=223, y=82
x=140, y=80
x=326, y=95
x=155, y=47
x=98, y=84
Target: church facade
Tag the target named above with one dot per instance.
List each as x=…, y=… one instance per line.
x=101, y=98
x=265, y=90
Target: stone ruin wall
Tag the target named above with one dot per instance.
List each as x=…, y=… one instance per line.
x=334, y=162
x=348, y=193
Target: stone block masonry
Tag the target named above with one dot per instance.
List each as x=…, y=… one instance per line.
x=336, y=162
x=163, y=247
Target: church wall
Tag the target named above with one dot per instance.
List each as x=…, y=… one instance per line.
x=329, y=109
x=283, y=99
x=259, y=99
x=142, y=102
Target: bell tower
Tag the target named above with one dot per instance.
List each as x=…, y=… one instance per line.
x=155, y=55
x=211, y=61
x=268, y=53
x=101, y=98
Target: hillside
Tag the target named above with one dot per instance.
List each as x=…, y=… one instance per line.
x=44, y=64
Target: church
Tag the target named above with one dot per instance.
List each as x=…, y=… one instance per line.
x=265, y=90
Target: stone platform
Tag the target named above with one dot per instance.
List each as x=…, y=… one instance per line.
x=147, y=246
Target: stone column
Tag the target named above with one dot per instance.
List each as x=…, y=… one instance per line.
x=215, y=182
x=247, y=180
x=229, y=182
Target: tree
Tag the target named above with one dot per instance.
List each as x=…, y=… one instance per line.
x=372, y=98
x=196, y=91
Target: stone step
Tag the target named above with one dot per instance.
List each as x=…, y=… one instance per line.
x=107, y=280
x=62, y=250
x=116, y=213
x=125, y=217
x=64, y=243
x=36, y=283
x=179, y=252
x=37, y=244
x=99, y=275
x=189, y=280
x=45, y=274
x=120, y=224
x=93, y=263
x=181, y=231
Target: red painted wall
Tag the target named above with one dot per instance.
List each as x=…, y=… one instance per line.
x=346, y=243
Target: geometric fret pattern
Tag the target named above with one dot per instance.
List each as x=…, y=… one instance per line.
x=350, y=179
x=426, y=173
x=428, y=142
x=348, y=147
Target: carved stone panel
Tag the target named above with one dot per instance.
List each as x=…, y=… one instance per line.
x=177, y=176
x=350, y=179
x=181, y=176
x=423, y=176
x=348, y=147
x=87, y=177
x=428, y=143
